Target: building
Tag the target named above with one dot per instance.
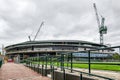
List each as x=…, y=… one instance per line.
x=52, y=47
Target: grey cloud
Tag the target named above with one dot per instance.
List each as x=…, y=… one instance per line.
x=63, y=19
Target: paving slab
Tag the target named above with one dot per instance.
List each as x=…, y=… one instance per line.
x=12, y=71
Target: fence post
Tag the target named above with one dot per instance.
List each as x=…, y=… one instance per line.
x=71, y=61
x=62, y=62
x=53, y=73
x=34, y=63
x=28, y=61
x=64, y=74
x=67, y=60
x=39, y=64
x=46, y=66
x=89, y=62
x=80, y=76
x=31, y=62
x=57, y=61
x=42, y=70
x=51, y=63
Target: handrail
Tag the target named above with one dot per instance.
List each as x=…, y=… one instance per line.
x=32, y=60
x=91, y=74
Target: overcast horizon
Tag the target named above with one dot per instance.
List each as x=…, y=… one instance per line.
x=63, y=20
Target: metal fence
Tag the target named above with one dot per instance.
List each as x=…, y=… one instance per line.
x=64, y=62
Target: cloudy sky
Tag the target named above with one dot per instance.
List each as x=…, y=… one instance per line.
x=64, y=19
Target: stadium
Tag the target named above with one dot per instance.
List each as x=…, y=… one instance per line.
x=55, y=47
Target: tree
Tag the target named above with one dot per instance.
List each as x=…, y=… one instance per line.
x=116, y=56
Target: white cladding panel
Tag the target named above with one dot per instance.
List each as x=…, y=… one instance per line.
x=95, y=51
x=87, y=48
x=106, y=51
x=42, y=49
x=29, y=49
x=80, y=49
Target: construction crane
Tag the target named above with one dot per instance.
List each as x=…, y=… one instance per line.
x=101, y=26
x=37, y=32
x=29, y=38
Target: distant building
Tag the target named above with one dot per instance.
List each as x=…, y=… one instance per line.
x=52, y=47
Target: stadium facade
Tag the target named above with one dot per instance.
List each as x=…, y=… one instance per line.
x=53, y=47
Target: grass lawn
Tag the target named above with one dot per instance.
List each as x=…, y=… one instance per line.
x=112, y=66
x=99, y=66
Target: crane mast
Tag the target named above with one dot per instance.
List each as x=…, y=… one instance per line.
x=101, y=26
x=38, y=31
x=96, y=13
x=29, y=38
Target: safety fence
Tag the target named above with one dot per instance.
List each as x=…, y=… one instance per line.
x=48, y=64
x=64, y=62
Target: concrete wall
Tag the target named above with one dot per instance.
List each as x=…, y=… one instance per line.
x=58, y=75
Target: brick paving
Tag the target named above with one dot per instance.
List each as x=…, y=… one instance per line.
x=12, y=71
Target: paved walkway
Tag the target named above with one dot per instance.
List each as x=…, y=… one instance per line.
x=12, y=71
x=110, y=74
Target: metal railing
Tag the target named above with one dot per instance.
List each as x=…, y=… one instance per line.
x=62, y=61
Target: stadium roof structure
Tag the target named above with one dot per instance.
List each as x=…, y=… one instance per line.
x=75, y=43
x=55, y=41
